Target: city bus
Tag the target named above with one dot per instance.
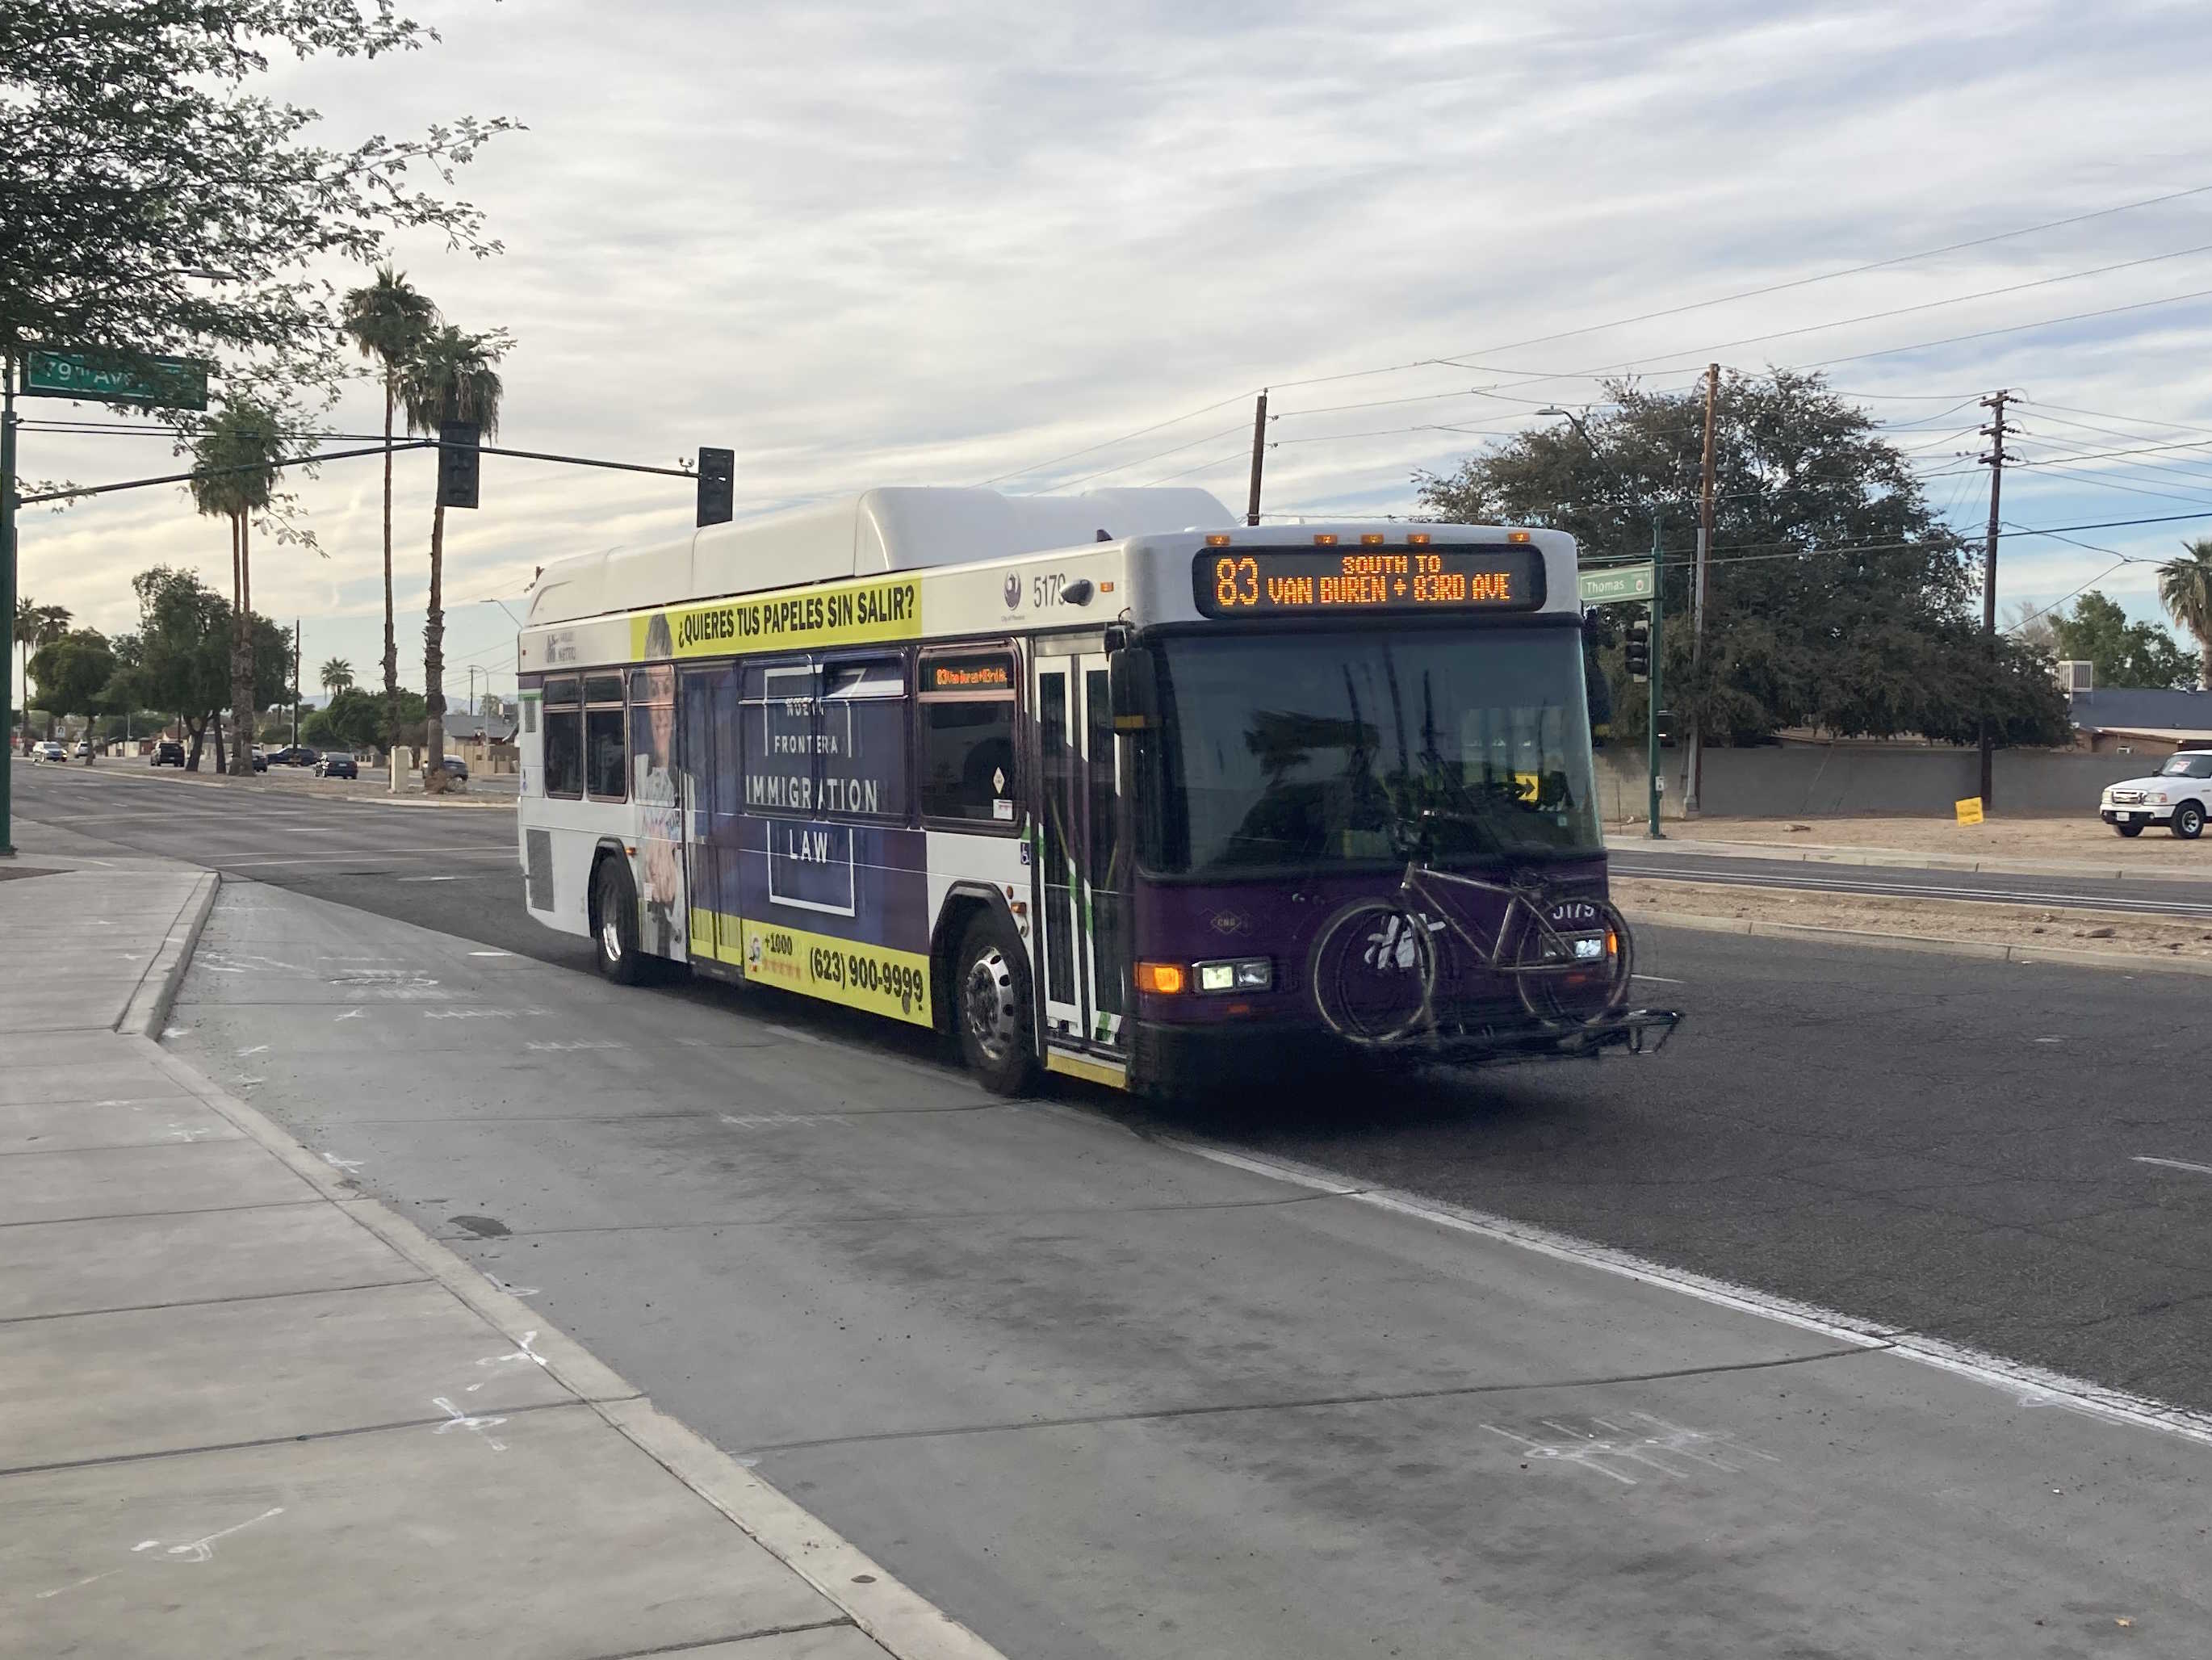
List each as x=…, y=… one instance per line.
x=1113, y=786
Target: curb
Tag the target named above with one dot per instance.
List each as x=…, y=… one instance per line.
x=424, y=801
x=1899, y=858
x=899, y=1618
x=1985, y=950
x=150, y=1004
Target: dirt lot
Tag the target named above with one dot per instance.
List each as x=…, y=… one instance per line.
x=2084, y=839
x=2119, y=934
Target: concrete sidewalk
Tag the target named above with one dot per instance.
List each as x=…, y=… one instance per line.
x=245, y=1410
x=1815, y=853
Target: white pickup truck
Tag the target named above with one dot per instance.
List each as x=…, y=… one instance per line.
x=2178, y=795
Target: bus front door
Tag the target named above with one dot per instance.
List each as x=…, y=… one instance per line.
x=1081, y=864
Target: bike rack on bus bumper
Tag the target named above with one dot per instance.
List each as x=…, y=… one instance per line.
x=1640, y=1032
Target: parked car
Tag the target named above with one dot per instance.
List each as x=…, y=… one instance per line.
x=458, y=768
x=295, y=755
x=337, y=766
x=168, y=753
x=260, y=762
x=84, y=748
x=2178, y=795
x=49, y=750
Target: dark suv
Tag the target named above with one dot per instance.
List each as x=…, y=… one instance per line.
x=336, y=765
x=168, y=753
x=295, y=755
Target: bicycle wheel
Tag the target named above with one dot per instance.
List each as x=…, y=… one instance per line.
x=1564, y=992
x=1373, y=972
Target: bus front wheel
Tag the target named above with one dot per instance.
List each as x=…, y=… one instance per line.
x=614, y=924
x=991, y=1008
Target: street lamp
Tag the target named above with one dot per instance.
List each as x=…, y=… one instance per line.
x=1652, y=783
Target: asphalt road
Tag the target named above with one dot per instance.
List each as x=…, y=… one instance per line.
x=2162, y=897
x=1096, y=1396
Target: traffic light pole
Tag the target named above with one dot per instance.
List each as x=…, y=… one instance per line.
x=8, y=600
x=1652, y=784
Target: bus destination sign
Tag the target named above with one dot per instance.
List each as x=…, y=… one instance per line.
x=1312, y=581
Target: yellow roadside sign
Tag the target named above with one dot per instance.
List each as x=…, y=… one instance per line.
x=1969, y=811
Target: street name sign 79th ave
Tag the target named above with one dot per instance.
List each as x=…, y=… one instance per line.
x=1619, y=582
x=176, y=383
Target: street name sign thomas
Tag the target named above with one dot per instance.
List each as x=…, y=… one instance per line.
x=176, y=383
x=1618, y=583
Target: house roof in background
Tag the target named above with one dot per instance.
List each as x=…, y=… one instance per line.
x=2140, y=708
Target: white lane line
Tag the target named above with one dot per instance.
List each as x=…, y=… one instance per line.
x=492, y=953
x=1662, y=979
x=507, y=853
x=426, y=879
x=2174, y=1164
x=2029, y=1386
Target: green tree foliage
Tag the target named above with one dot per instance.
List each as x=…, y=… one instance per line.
x=1836, y=599
x=452, y=378
x=37, y=626
x=2120, y=653
x=389, y=319
x=179, y=658
x=337, y=675
x=2184, y=585
x=358, y=720
x=74, y=673
x=136, y=156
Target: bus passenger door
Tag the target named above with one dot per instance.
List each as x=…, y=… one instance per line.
x=1082, y=933
x=709, y=724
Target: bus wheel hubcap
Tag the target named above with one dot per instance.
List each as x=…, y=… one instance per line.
x=993, y=1019
x=610, y=939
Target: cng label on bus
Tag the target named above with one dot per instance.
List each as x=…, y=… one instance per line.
x=1320, y=582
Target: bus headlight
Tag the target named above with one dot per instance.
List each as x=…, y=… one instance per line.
x=1246, y=974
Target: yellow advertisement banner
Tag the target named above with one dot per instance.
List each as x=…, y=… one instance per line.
x=849, y=614
x=876, y=978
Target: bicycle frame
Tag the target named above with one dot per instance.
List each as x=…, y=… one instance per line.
x=1557, y=957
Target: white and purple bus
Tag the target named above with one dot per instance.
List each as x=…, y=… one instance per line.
x=1111, y=785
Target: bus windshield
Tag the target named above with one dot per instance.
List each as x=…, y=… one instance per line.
x=1286, y=752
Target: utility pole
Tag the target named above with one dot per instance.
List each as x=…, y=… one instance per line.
x=295, y=683
x=1653, y=783
x=1995, y=433
x=1259, y=452
x=8, y=592
x=1693, y=772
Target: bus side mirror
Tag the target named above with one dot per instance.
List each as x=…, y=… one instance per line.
x=1132, y=688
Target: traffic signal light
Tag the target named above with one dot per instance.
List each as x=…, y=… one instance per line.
x=1639, y=649
x=457, y=462
x=718, y=473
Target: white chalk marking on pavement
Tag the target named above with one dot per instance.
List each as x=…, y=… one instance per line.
x=58, y=1589
x=348, y=1165
x=258, y=1049
x=426, y=879
x=352, y=1014
x=512, y=1291
x=2048, y=1040
x=461, y=1420
x=586, y=1043
x=201, y=1549
x=525, y=1352
x=492, y=953
x=172, y=1031
x=791, y=1031
x=2029, y=1385
x=2174, y=1164
x=1663, y=979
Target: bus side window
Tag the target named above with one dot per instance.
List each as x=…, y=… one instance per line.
x=605, y=745
x=967, y=725
x=564, y=740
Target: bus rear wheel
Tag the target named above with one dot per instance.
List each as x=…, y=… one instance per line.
x=990, y=1009
x=614, y=924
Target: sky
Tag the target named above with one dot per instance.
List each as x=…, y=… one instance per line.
x=1062, y=247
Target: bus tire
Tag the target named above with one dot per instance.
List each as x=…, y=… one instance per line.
x=992, y=1012
x=614, y=924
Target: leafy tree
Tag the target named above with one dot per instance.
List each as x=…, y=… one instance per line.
x=1835, y=596
x=36, y=626
x=137, y=162
x=2185, y=585
x=2120, y=653
x=452, y=378
x=179, y=658
x=389, y=320
x=357, y=720
x=337, y=675
x=73, y=674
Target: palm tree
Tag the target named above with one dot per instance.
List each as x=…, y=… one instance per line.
x=337, y=675
x=237, y=452
x=450, y=379
x=37, y=627
x=389, y=320
x=2186, y=586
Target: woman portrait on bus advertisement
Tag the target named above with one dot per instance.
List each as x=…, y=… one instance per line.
x=658, y=789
